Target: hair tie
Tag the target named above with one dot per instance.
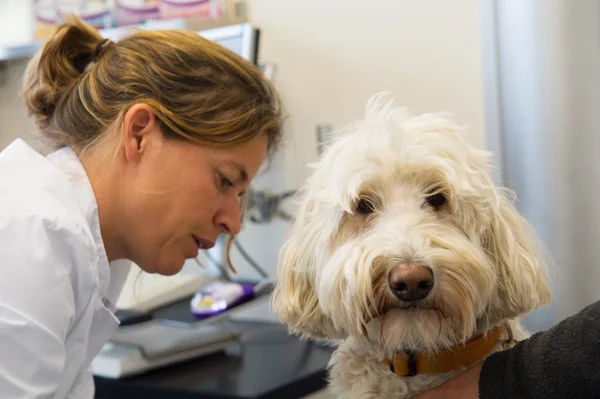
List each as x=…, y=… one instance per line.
x=101, y=48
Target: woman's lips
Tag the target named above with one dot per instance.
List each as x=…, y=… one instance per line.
x=203, y=243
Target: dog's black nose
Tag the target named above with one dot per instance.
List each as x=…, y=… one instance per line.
x=410, y=282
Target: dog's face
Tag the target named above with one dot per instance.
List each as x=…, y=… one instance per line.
x=403, y=239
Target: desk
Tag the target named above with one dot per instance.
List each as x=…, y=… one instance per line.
x=269, y=364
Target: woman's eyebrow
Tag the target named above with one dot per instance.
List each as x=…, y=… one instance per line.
x=241, y=169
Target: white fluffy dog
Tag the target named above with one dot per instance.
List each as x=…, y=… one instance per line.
x=406, y=255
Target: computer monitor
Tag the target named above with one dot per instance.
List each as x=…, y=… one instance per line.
x=243, y=39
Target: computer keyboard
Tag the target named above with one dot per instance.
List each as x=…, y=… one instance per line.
x=152, y=337
x=145, y=292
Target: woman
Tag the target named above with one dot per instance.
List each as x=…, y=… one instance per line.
x=157, y=137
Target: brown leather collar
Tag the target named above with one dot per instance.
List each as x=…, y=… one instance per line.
x=411, y=363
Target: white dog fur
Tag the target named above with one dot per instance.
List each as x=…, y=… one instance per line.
x=333, y=268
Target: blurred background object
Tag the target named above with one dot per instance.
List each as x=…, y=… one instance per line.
x=542, y=59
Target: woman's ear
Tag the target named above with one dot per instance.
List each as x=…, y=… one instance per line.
x=139, y=126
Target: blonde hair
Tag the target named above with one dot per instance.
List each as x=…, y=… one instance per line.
x=80, y=85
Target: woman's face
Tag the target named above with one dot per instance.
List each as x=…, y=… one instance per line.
x=183, y=196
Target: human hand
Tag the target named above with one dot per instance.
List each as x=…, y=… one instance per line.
x=463, y=386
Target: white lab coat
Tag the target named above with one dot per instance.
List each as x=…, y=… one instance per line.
x=57, y=288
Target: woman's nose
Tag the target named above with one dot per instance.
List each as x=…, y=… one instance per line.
x=229, y=218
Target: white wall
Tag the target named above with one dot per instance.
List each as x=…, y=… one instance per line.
x=16, y=28
x=331, y=57
x=16, y=22
x=13, y=117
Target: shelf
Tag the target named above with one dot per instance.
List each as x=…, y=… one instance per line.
x=18, y=51
x=27, y=50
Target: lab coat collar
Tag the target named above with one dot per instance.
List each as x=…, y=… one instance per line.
x=111, y=276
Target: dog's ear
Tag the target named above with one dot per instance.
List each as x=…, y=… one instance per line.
x=514, y=249
x=295, y=299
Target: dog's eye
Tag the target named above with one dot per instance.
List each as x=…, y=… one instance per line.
x=436, y=201
x=365, y=207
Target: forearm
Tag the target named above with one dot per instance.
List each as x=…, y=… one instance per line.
x=463, y=386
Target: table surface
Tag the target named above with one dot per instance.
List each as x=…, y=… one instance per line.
x=267, y=363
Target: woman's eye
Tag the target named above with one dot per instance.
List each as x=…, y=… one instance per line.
x=225, y=182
